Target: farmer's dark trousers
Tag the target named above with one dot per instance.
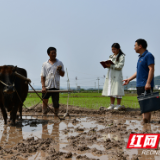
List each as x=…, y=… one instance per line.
x=54, y=95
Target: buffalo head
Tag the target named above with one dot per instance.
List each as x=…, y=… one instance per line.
x=7, y=79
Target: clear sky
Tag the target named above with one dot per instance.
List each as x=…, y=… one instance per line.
x=81, y=30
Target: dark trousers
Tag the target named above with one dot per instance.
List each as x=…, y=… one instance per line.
x=54, y=95
x=141, y=90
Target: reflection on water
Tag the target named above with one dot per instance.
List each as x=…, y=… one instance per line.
x=53, y=128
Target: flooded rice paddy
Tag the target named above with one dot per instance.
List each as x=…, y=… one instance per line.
x=83, y=137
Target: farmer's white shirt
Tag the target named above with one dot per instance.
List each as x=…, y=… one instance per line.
x=52, y=77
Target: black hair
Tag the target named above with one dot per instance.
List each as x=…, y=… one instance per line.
x=117, y=46
x=142, y=42
x=51, y=49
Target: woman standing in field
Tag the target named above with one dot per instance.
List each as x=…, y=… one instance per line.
x=113, y=86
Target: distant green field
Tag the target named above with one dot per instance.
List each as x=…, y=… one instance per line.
x=87, y=100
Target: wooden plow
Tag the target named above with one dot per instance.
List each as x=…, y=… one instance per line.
x=61, y=117
x=51, y=91
x=28, y=81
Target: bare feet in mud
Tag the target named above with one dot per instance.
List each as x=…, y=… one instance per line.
x=146, y=120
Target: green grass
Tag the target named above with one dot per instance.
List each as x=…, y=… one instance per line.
x=87, y=100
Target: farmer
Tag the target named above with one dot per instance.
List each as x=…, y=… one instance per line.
x=144, y=73
x=50, y=79
x=113, y=86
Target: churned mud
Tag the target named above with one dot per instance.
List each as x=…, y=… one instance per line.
x=85, y=135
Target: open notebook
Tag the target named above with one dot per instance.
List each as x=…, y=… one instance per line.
x=103, y=63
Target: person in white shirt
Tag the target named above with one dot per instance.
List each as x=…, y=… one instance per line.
x=50, y=79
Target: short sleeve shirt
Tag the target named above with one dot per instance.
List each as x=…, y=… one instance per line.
x=144, y=61
x=52, y=77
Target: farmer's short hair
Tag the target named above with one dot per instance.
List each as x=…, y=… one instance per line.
x=142, y=42
x=51, y=49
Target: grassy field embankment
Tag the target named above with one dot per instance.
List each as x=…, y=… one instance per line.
x=87, y=100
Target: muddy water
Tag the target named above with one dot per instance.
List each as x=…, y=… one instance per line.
x=91, y=133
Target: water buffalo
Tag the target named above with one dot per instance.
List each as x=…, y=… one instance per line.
x=13, y=91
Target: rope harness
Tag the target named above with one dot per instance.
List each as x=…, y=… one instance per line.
x=28, y=81
x=4, y=84
x=15, y=90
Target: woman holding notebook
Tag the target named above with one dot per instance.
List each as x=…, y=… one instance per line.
x=113, y=86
